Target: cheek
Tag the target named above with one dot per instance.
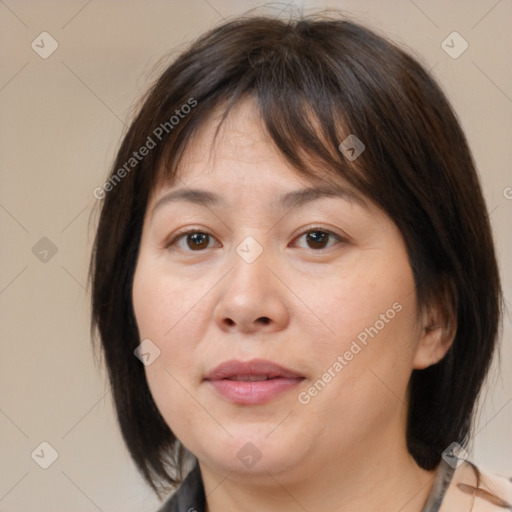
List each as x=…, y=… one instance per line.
x=164, y=304
x=165, y=316
x=372, y=315
x=168, y=311
x=374, y=302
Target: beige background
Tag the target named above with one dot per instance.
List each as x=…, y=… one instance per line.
x=61, y=121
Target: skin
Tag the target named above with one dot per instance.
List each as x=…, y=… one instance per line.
x=205, y=306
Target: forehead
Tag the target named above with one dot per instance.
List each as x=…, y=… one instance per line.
x=241, y=138
x=230, y=162
x=241, y=152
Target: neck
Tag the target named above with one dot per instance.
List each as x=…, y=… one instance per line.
x=367, y=477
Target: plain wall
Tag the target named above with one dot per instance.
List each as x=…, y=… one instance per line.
x=61, y=122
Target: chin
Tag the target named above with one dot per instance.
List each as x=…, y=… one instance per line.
x=252, y=452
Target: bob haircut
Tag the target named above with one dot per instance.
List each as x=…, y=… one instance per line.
x=317, y=79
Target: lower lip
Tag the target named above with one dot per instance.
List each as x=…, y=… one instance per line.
x=254, y=392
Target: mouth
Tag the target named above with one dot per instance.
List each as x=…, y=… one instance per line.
x=252, y=382
x=253, y=378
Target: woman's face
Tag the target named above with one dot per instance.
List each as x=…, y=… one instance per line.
x=315, y=295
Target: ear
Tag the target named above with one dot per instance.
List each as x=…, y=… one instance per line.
x=438, y=326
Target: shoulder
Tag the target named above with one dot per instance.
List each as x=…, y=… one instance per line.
x=477, y=489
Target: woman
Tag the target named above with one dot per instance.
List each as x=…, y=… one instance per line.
x=294, y=280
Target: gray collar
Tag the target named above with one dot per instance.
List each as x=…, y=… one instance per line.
x=189, y=497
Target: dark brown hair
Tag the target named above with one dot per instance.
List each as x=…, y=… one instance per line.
x=316, y=79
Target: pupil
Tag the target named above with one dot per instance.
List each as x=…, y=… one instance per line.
x=317, y=237
x=198, y=240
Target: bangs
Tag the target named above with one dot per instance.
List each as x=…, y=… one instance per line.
x=302, y=112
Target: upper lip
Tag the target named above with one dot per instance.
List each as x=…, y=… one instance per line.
x=255, y=367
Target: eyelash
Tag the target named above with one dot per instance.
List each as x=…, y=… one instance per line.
x=312, y=229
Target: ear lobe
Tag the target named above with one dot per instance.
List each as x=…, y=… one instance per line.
x=439, y=326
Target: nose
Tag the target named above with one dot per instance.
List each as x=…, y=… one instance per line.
x=252, y=297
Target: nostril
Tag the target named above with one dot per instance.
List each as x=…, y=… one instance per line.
x=264, y=320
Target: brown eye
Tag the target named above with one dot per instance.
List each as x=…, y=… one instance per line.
x=318, y=239
x=195, y=241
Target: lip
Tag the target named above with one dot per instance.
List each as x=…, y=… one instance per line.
x=237, y=381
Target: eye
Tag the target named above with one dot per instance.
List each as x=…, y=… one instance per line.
x=195, y=241
x=317, y=238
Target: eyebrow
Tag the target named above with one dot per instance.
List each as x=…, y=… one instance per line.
x=288, y=201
